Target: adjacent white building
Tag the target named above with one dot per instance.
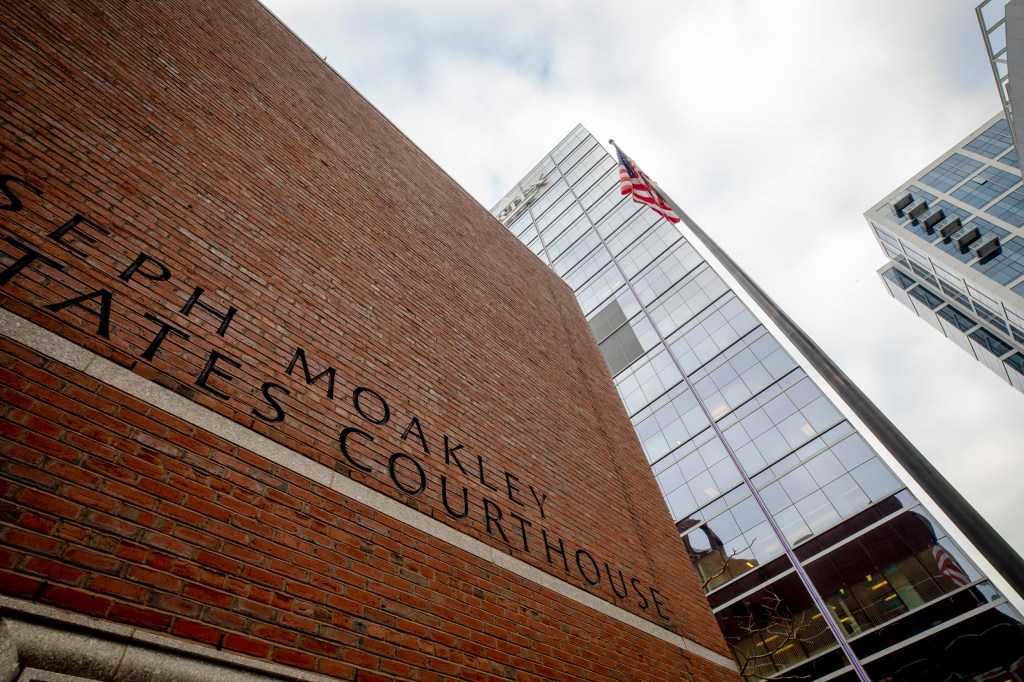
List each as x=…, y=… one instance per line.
x=954, y=233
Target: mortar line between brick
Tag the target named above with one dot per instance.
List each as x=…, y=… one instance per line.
x=56, y=347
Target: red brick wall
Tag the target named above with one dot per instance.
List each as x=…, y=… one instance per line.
x=115, y=509
x=206, y=137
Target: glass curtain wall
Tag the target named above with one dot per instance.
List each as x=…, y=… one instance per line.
x=816, y=559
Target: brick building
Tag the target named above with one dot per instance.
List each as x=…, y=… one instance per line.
x=281, y=401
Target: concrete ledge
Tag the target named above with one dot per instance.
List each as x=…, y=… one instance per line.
x=48, y=644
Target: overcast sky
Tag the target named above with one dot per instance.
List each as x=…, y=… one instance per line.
x=775, y=124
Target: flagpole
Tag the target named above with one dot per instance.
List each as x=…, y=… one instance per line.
x=973, y=525
x=657, y=203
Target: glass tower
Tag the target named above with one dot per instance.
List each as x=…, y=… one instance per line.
x=816, y=559
x=954, y=235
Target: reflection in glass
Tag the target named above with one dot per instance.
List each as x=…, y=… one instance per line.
x=988, y=646
x=774, y=629
x=888, y=572
x=921, y=620
x=716, y=562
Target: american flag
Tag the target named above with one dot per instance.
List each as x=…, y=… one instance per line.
x=948, y=566
x=633, y=181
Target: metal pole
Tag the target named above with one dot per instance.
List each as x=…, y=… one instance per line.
x=980, y=532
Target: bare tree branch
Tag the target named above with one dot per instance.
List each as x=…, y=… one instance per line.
x=771, y=626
